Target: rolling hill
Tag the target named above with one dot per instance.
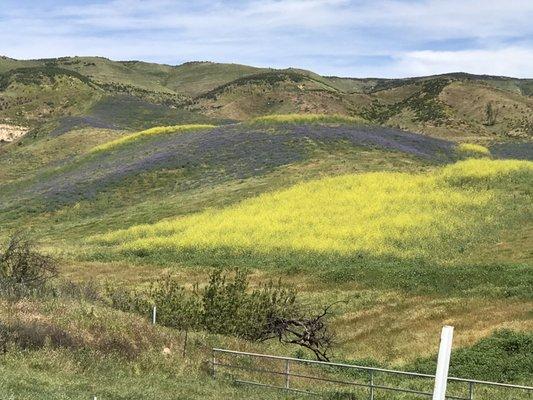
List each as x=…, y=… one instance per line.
x=453, y=105
x=394, y=198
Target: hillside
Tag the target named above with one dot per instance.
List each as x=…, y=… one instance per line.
x=394, y=200
x=452, y=106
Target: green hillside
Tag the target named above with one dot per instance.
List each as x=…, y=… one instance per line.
x=396, y=200
x=451, y=106
x=205, y=191
x=424, y=218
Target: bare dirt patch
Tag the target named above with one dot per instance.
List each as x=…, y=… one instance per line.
x=9, y=133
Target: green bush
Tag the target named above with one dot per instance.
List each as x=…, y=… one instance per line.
x=229, y=308
x=225, y=306
x=505, y=356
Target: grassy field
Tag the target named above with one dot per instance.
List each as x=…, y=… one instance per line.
x=409, y=217
x=76, y=349
x=72, y=346
x=408, y=231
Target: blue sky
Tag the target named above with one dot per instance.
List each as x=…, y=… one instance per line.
x=359, y=38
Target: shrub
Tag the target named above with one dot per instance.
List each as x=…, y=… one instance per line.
x=35, y=335
x=227, y=306
x=176, y=307
x=4, y=337
x=505, y=356
x=23, y=267
x=491, y=114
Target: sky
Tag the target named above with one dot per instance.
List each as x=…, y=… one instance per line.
x=356, y=38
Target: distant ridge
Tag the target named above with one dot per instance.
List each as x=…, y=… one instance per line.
x=452, y=105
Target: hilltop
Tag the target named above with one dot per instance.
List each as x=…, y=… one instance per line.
x=94, y=91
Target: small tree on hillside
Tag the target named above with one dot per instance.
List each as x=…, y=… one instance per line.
x=23, y=267
x=491, y=114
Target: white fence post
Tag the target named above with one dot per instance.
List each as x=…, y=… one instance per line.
x=154, y=314
x=443, y=363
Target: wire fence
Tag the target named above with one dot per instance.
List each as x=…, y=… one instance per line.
x=346, y=381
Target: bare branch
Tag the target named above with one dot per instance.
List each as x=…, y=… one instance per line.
x=311, y=333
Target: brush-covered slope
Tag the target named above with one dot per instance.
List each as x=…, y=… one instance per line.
x=278, y=92
x=452, y=105
x=38, y=94
x=57, y=95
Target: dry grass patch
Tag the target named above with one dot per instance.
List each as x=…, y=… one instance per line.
x=32, y=324
x=398, y=329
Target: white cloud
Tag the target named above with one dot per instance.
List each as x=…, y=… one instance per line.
x=411, y=37
x=512, y=61
x=445, y=19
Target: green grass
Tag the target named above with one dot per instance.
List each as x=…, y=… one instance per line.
x=77, y=349
x=158, y=130
x=504, y=356
x=74, y=348
x=20, y=162
x=152, y=196
x=445, y=244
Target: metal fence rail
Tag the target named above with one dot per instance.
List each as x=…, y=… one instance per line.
x=471, y=385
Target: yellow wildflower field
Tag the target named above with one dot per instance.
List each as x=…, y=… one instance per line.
x=158, y=130
x=424, y=216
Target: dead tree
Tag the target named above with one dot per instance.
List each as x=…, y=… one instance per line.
x=311, y=333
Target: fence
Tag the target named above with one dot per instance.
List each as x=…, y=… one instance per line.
x=353, y=381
